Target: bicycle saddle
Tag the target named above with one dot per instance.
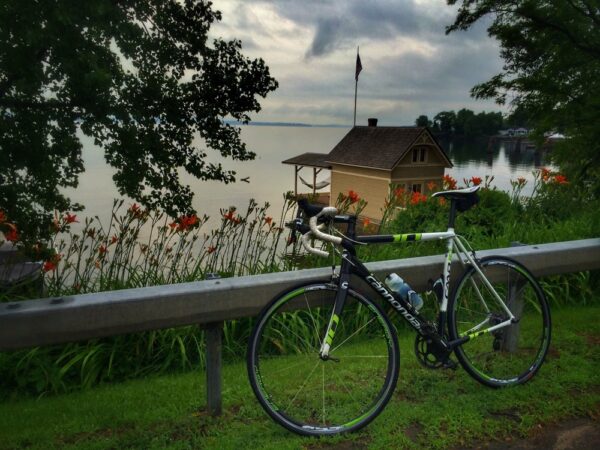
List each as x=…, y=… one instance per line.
x=458, y=193
x=465, y=198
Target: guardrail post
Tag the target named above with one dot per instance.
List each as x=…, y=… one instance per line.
x=515, y=304
x=213, y=333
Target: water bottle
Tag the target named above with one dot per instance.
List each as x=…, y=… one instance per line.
x=400, y=287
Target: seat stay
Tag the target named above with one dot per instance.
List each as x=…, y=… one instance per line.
x=484, y=279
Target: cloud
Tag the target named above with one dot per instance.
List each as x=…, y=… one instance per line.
x=410, y=67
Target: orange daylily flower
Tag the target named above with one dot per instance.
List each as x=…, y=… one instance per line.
x=134, y=208
x=70, y=218
x=51, y=264
x=211, y=249
x=268, y=220
x=102, y=250
x=2, y=216
x=431, y=186
x=353, y=196
x=560, y=179
x=545, y=174
x=476, y=181
x=449, y=182
x=417, y=198
x=12, y=234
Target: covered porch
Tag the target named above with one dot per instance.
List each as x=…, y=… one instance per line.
x=317, y=162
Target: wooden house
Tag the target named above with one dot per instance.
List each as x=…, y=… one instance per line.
x=368, y=159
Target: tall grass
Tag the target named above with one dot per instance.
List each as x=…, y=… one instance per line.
x=140, y=248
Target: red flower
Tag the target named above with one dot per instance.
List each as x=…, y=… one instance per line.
x=229, y=216
x=545, y=174
x=211, y=249
x=2, y=216
x=70, y=218
x=48, y=266
x=268, y=220
x=186, y=222
x=366, y=222
x=521, y=181
x=51, y=264
x=102, y=250
x=114, y=239
x=353, y=196
x=476, y=181
x=417, y=198
x=11, y=235
x=134, y=209
x=399, y=192
x=431, y=186
x=449, y=182
x=237, y=220
x=560, y=179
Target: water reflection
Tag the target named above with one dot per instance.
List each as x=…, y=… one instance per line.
x=504, y=159
x=269, y=179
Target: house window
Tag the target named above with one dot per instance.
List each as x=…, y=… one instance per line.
x=419, y=154
x=416, y=187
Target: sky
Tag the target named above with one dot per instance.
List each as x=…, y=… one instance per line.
x=410, y=66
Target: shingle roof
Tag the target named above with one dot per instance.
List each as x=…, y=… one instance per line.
x=310, y=160
x=377, y=147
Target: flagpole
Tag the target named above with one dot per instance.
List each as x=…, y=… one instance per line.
x=355, y=86
x=355, y=92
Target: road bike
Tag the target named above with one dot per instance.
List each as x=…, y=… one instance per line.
x=323, y=357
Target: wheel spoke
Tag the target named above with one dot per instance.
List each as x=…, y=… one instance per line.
x=361, y=372
x=497, y=358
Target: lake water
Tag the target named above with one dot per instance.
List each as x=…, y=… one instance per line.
x=269, y=179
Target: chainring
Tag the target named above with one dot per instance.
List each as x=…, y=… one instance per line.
x=428, y=354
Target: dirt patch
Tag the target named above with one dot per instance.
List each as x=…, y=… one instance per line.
x=103, y=433
x=506, y=414
x=576, y=434
x=592, y=339
x=360, y=444
x=413, y=431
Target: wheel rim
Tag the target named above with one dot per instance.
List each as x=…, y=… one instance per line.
x=316, y=396
x=510, y=354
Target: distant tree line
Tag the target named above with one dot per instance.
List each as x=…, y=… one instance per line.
x=469, y=124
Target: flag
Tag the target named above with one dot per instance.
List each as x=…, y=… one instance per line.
x=358, y=66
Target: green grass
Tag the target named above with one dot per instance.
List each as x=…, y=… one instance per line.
x=429, y=409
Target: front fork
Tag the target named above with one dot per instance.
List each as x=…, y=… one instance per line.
x=340, y=300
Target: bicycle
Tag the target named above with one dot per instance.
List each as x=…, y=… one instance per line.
x=323, y=358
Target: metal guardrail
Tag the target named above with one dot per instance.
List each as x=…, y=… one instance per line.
x=210, y=302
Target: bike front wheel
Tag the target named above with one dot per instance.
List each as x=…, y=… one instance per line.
x=506, y=355
x=312, y=396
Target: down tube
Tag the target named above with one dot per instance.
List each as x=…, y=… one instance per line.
x=400, y=305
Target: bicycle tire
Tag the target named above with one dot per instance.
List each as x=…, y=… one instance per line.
x=351, y=388
x=507, y=356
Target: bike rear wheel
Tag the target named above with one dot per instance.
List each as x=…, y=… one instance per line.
x=312, y=396
x=509, y=355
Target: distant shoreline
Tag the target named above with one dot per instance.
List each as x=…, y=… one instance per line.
x=284, y=124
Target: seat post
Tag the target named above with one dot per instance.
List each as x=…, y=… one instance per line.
x=452, y=215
